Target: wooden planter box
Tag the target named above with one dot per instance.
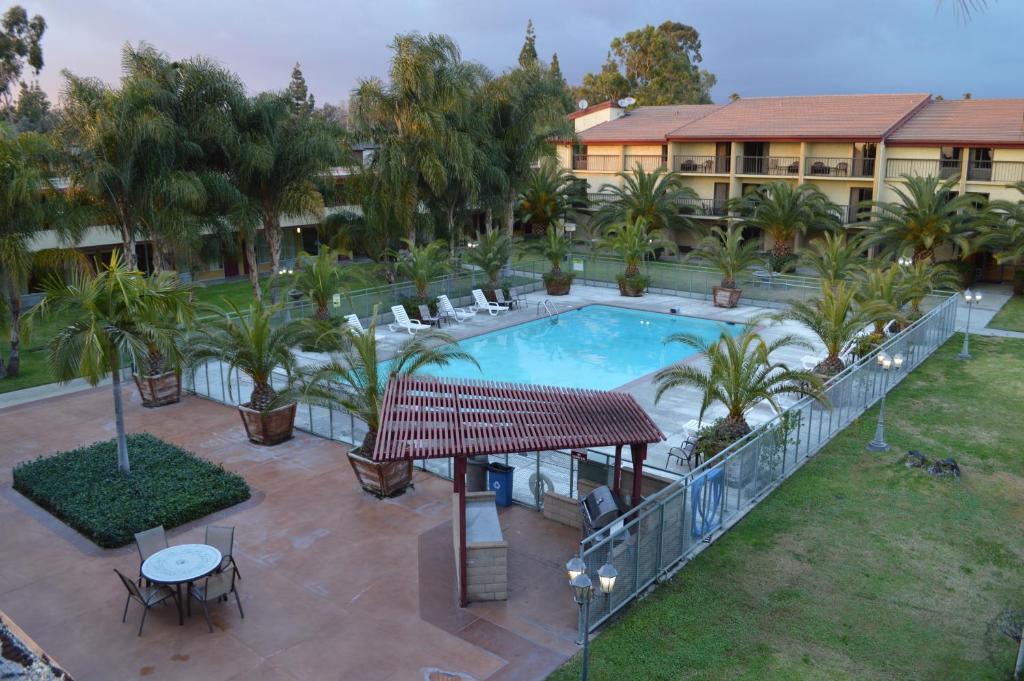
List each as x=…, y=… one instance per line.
x=630, y=290
x=269, y=428
x=557, y=286
x=381, y=478
x=156, y=391
x=725, y=297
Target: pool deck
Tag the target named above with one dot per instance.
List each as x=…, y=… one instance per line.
x=675, y=408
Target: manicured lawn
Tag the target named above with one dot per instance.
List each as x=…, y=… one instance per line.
x=857, y=567
x=167, y=486
x=1011, y=316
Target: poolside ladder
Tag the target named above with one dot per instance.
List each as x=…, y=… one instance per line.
x=546, y=308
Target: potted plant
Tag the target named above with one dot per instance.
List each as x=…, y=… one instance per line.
x=316, y=277
x=490, y=253
x=158, y=378
x=634, y=242
x=250, y=341
x=726, y=251
x=354, y=379
x=555, y=247
x=422, y=264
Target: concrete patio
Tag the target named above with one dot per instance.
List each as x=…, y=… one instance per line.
x=336, y=584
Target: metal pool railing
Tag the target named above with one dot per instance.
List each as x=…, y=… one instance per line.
x=671, y=526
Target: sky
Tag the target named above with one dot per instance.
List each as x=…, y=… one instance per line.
x=754, y=47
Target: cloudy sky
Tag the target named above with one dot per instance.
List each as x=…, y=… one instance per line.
x=755, y=47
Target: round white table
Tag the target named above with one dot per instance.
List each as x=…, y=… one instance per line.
x=177, y=565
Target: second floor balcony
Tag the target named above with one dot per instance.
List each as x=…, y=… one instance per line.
x=922, y=167
x=701, y=165
x=828, y=166
x=605, y=163
x=705, y=207
x=1006, y=172
x=767, y=165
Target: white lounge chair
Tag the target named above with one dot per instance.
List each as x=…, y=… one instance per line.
x=483, y=304
x=352, y=321
x=402, y=321
x=457, y=313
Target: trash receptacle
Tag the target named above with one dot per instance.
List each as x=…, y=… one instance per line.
x=499, y=481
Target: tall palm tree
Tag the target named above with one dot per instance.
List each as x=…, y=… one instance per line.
x=738, y=374
x=550, y=195
x=490, y=253
x=29, y=204
x=1006, y=237
x=834, y=256
x=782, y=210
x=633, y=241
x=727, y=251
x=279, y=165
x=355, y=377
x=927, y=215
x=117, y=316
x=422, y=264
x=657, y=197
x=836, y=318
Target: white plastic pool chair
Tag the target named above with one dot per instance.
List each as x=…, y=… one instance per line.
x=459, y=314
x=402, y=321
x=483, y=304
x=352, y=321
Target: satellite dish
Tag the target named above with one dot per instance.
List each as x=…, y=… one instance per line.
x=627, y=101
x=583, y=104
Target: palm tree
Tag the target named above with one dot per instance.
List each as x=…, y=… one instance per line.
x=727, y=251
x=836, y=318
x=318, y=277
x=883, y=287
x=422, y=264
x=551, y=193
x=554, y=248
x=355, y=378
x=927, y=215
x=634, y=242
x=835, y=256
x=117, y=316
x=658, y=198
x=739, y=373
x=490, y=253
x=782, y=211
x=920, y=278
x=278, y=166
x=1006, y=237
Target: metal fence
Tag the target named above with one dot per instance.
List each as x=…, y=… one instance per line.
x=674, y=524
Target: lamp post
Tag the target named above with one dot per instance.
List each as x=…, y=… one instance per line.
x=583, y=593
x=570, y=230
x=886, y=364
x=971, y=299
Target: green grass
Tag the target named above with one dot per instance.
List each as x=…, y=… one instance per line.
x=857, y=567
x=1011, y=316
x=167, y=486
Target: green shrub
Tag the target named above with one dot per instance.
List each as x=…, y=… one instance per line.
x=167, y=486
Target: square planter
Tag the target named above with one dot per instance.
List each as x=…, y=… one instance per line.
x=725, y=297
x=156, y=391
x=381, y=478
x=268, y=428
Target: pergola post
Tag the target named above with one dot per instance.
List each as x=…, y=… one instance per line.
x=617, y=476
x=459, y=484
x=638, y=450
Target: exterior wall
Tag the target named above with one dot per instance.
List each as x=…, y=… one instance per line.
x=782, y=149
x=929, y=153
x=829, y=149
x=562, y=509
x=704, y=185
x=693, y=148
x=589, y=120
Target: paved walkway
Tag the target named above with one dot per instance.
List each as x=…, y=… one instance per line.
x=336, y=584
x=993, y=297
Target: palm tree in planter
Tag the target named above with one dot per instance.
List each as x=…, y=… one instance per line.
x=355, y=380
x=726, y=251
x=318, y=278
x=423, y=264
x=1006, y=237
x=882, y=287
x=490, y=253
x=116, y=316
x=920, y=278
x=551, y=193
x=782, y=211
x=250, y=341
x=634, y=242
x=738, y=373
x=836, y=318
x=555, y=247
x=835, y=256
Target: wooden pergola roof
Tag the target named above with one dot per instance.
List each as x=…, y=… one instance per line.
x=424, y=417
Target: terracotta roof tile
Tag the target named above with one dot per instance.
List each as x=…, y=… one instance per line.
x=810, y=117
x=965, y=121
x=646, y=123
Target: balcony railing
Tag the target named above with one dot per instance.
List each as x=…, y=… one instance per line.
x=597, y=164
x=1009, y=172
x=944, y=168
x=646, y=162
x=849, y=214
x=767, y=165
x=826, y=166
x=704, y=165
x=705, y=207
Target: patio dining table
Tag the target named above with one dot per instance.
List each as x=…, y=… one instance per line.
x=182, y=564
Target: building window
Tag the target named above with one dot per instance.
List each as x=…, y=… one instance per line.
x=979, y=166
x=949, y=162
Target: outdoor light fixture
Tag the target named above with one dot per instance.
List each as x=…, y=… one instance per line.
x=886, y=364
x=583, y=589
x=583, y=594
x=569, y=227
x=575, y=567
x=972, y=299
x=298, y=230
x=606, y=577
x=905, y=261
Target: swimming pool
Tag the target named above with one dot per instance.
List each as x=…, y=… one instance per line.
x=597, y=346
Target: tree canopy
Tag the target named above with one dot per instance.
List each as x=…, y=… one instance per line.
x=20, y=46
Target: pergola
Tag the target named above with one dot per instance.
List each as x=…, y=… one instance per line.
x=424, y=417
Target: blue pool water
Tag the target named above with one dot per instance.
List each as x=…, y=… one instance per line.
x=597, y=346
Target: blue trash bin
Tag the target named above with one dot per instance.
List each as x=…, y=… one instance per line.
x=499, y=481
